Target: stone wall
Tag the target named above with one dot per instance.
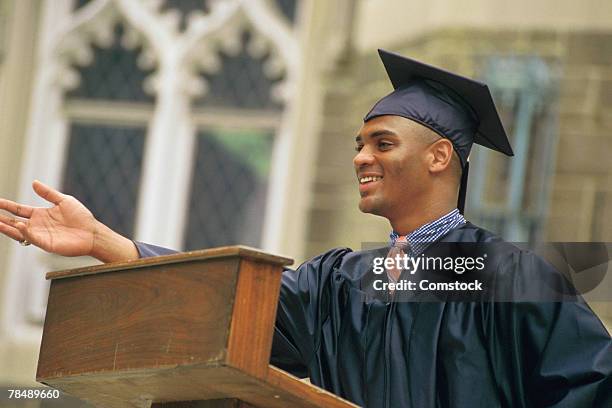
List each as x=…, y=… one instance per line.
x=583, y=176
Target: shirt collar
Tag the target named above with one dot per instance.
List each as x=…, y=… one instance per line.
x=420, y=238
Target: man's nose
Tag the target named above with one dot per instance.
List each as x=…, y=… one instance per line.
x=363, y=158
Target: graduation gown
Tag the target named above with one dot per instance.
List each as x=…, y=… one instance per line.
x=378, y=353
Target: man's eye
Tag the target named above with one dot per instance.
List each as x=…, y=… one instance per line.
x=358, y=148
x=384, y=145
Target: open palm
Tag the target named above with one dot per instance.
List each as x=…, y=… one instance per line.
x=67, y=228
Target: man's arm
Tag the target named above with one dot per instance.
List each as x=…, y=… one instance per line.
x=306, y=299
x=148, y=250
x=66, y=228
x=110, y=246
x=567, y=355
x=558, y=352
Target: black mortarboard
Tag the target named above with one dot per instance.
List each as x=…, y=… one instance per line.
x=457, y=108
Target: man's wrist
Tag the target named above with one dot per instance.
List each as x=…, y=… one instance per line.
x=109, y=246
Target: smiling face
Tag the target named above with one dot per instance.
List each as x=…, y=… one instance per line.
x=393, y=165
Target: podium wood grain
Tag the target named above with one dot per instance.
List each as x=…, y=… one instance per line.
x=179, y=328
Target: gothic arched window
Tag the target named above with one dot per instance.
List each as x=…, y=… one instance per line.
x=169, y=119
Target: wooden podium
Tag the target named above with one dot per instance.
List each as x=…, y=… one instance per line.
x=186, y=330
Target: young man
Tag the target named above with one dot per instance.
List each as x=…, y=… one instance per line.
x=334, y=326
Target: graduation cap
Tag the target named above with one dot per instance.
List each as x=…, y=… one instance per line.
x=457, y=108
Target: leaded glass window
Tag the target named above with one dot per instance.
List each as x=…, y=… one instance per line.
x=288, y=8
x=104, y=159
x=229, y=189
x=114, y=75
x=241, y=83
x=103, y=170
x=185, y=9
x=227, y=204
x=166, y=119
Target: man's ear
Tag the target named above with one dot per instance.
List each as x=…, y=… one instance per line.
x=441, y=154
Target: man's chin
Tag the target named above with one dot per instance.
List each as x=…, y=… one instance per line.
x=369, y=205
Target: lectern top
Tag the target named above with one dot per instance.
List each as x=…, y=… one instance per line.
x=238, y=251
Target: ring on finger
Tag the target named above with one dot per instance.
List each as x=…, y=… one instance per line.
x=25, y=243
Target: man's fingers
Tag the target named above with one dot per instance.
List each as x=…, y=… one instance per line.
x=9, y=220
x=19, y=210
x=11, y=232
x=48, y=193
x=22, y=227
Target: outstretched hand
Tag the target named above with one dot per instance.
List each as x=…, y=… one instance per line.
x=67, y=228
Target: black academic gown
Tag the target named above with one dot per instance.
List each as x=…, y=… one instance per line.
x=377, y=353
